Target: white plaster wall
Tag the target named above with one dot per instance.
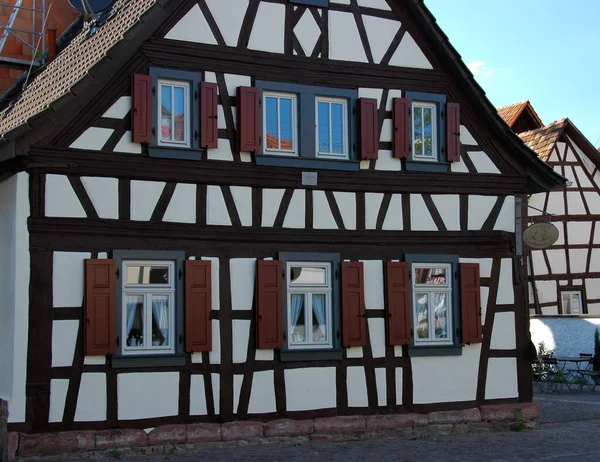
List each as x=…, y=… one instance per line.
x=577, y=260
x=127, y=146
x=479, y=209
x=229, y=15
x=61, y=200
x=307, y=32
x=268, y=30
x=539, y=264
x=448, y=206
x=593, y=201
x=262, y=395
x=420, y=218
x=193, y=27
x=556, y=203
x=182, y=207
x=197, y=395
x=240, y=334
x=377, y=336
x=216, y=381
x=380, y=33
x=344, y=39
x=357, y=386
x=506, y=217
x=592, y=288
x=485, y=265
x=242, y=273
x=104, y=194
x=398, y=373
x=575, y=203
x=58, y=398
x=271, y=202
x=68, y=278
x=296, y=216
x=144, y=197
x=64, y=338
x=214, y=355
x=373, y=281
x=579, y=232
x=409, y=54
x=595, y=261
x=501, y=379
x=93, y=139
x=346, y=202
x=354, y=352
x=138, y=391
x=379, y=4
x=310, y=388
x=119, y=109
x=504, y=335
x=91, y=401
x=558, y=261
x=385, y=159
x=393, y=218
x=584, y=181
x=438, y=379
x=546, y=291
x=372, y=206
x=322, y=216
x=506, y=291
x=242, y=198
x=381, y=383
x=237, y=389
x=482, y=162
x=216, y=210
x=466, y=137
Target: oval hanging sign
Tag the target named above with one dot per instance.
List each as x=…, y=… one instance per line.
x=540, y=235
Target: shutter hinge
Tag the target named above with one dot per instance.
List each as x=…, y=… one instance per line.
x=283, y=273
x=180, y=339
x=443, y=149
x=354, y=110
x=442, y=114
x=353, y=147
x=338, y=334
x=180, y=273
x=195, y=95
x=480, y=312
x=118, y=273
x=118, y=340
x=284, y=335
x=153, y=90
x=337, y=274
x=458, y=331
x=260, y=140
x=196, y=135
x=153, y=131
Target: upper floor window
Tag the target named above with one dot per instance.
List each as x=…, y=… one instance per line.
x=174, y=114
x=332, y=127
x=279, y=123
x=571, y=302
x=424, y=131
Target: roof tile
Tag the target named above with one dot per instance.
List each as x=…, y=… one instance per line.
x=542, y=140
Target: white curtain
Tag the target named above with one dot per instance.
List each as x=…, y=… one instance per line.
x=297, y=304
x=318, y=306
x=441, y=315
x=160, y=309
x=132, y=303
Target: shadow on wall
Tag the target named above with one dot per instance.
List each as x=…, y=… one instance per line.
x=566, y=336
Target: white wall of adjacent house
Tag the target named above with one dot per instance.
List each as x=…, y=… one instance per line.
x=14, y=292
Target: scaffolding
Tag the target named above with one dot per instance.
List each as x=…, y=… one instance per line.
x=34, y=39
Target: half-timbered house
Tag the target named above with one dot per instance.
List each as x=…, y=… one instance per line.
x=225, y=210
x=564, y=279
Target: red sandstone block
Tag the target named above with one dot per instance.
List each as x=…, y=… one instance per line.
x=56, y=443
x=389, y=422
x=241, y=430
x=13, y=445
x=167, y=434
x=120, y=439
x=463, y=416
x=344, y=424
x=498, y=412
x=319, y=438
x=287, y=427
x=203, y=433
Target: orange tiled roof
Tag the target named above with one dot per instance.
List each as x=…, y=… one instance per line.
x=542, y=140
x=511, y=113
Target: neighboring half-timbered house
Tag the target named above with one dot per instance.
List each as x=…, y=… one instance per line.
x=224, y=210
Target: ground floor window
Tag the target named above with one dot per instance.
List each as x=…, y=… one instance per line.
x=571, y=302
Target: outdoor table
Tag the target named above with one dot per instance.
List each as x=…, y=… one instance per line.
x=573, y=376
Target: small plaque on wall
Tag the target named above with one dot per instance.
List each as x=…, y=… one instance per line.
x=310, y=179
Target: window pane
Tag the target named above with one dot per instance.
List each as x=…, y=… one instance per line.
x=160, y=320
x=319, y=318
x=565, y=302
x=286, y=116
x=179, y=114
x=272, y=117
x=323, y=125
x=166, y=112
x=147, y=274
x=575, y=305
x=337, y=128
x=296, y=313
x=418, y=131
x=435, y=276
x=134, y=321
x=428, y=131
x=422, y=310
x=440, y=314
x=300, y=275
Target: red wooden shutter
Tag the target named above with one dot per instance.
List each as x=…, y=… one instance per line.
x=401, y=136
x=269, y=308
x=209, y=118
x=470, y=299
x=99, y=306
x=141, y=111
x=369, y=129
x=353, y=305
x=198, y=304
x=248, y=118
x=397, y=304
x=453, y=131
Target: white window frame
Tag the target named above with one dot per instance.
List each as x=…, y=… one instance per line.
x=430, y=289
x=147, y=291
x=308, y=290
x=571, y=294
x=186, y=143
x=329, y=101
x=281, y=95
x=434, y=132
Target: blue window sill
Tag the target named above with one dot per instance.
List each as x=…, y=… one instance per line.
x=169, y=152
x=445, y=350
x=299, y=162
x=126, y=362
x=426, y=166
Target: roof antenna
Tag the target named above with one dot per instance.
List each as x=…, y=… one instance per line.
x=35, y=52
x=93, y=9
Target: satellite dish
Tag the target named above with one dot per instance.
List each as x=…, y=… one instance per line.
x=91, y=7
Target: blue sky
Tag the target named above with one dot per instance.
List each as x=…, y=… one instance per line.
x=544, y=51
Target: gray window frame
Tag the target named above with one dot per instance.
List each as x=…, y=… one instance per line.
x=194, y=152
x=174, y=359
x=336, y=352
x=322, y=3
x=443, y=350
x=306, y=136
x=442, y=164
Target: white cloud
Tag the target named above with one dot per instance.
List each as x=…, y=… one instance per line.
x=480, y=69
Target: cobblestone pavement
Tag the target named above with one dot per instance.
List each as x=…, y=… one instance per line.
x=570, y=425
